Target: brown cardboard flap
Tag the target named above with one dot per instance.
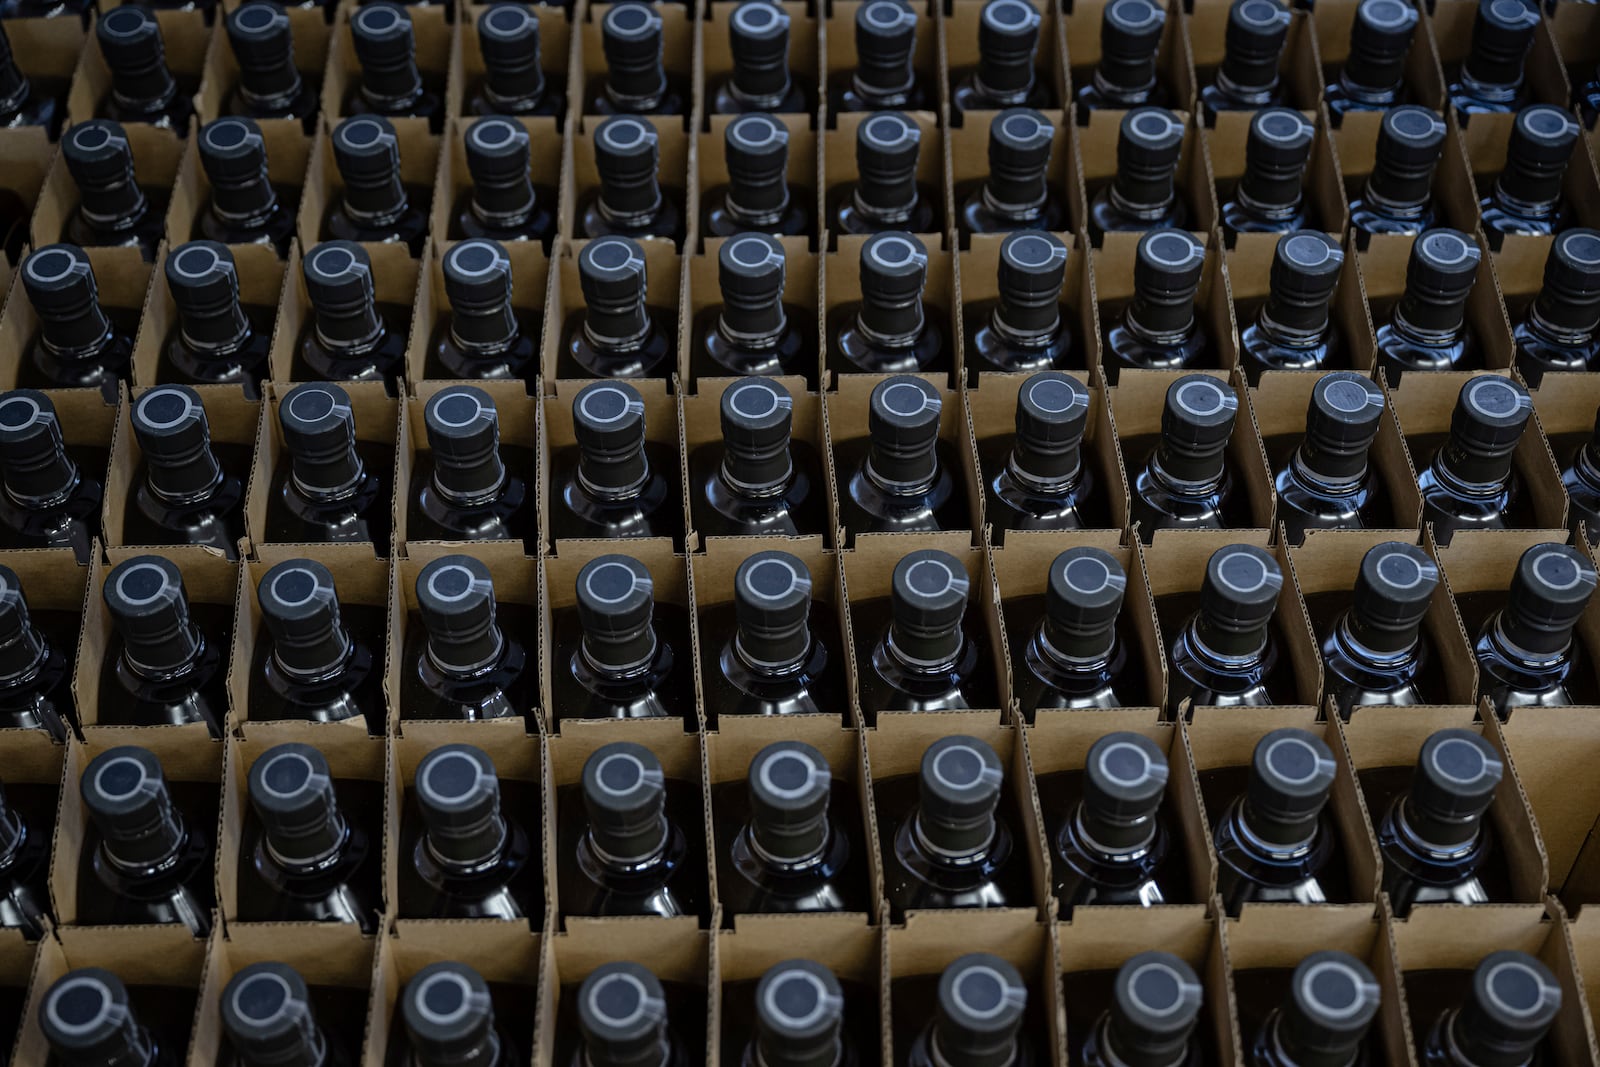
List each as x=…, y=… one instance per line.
x=1093, y=155
x=185, y=36
x=1423, y=82
x=1554, y=750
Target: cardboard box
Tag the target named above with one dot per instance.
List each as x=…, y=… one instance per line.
x=1081, y=31
x=289, y=152
x=1551, y=749
x=324, y=184
x=1383, y=274
x=1581, y=935
x=435, y=35
x=185, y=35
x=1566, y=406
x=1422, y=83
x=803, y=291
x=549, y=150
x=17, y=957
x=121, y=276
x=958, y=56
x=312, y=34
x=1322, y=189
x=804, y=173
x=1112, y=267
x=1093, y=157
x=55, y=586
x=837, y=164
x=1299, y=64
x=565, y=302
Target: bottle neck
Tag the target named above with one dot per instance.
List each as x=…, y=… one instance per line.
x=1056, y=475
x=117, y=207
x=1228, y=651
x=890, y=324
x=887, y=201
x=467, y=854
x=191, y=483
x=1471, y=474
x=614, y=478
x=1187, y=475
x=331, y=481
x=377, y=203
x=917, y=473
x=150, y=89
x=79, y=339
x=504, y=205
x=1272, y=321
x=757, y=478
x=753, y=327
x=925, y=654
x=245, y=205
x=45, y=485
x=1026, y=325
x=485, y=333
x=152, y=853
x=352, y=332
x=392, y=92
x=618, y=329
x=272, y=89
x=472, y=485
x=293, y=859
x=1017, y=196
x=756, y=203
x=216, y=334
x=21, y=656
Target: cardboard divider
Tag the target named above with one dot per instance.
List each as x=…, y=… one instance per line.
x=1449, y=23
x=1299, y=64
x=702, y=306
x=837, y=162
x=395, y=277
x=978, y=284
x=185, y=36
x=1355, y=146
x=547, y=162
x=716, y=54
x=1250, y=284
x=122, y=277
x=1383, y=275
x=565, y=304
x=1322, y=185
x=804, y=173
x=1552, y=750
x=530, y=281
x=1080, y=26
x=30, y=158
x=55, y=586
x=31, y=765
x=1567, y=406
x=1583, y=934
x=1113, y=265
x=324, y=184
x=839, y=58
x=1093, y=161
x=289, y=152
x=17, y=957
x=1279, y=405
x=362, y=582
x=1422, y=83
x=435, y=36
x=1571, y=37
x=312, y=34
x=1519, y=270
x=680, y=58
x=467, y=69
x=48, y=51
x=958, y=58
x=1481, y=147
x=967, y=149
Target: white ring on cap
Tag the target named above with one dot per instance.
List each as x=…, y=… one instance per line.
x=626, y=757
x=634, y=582
x=1316, y=759
x=818, y=1007
x=1208, y=388
x=319, y=257
x=875, y=251
x=260, y=976
x=923, y=399
x=34, y=410
x=454, y=397
x=937, y=770
x=431, y=766
x=1434, y=758
x=67, y=985
x=1086, y=561
x=189, y=252
x=1500, y=1002
x=903, y=129
x=625, y=977
x=1336, y=1011
x=751, y=389
x=287, y=572
x=33, y=263
x=588, y=396
x=443, y=1018
x=1118, y=746
x=773, y=561
x=129, y=572
x=100, y=775
x=950, y=579
x=981, y=970
x=1413, y=576
x=788, y=793
x=1144, y=1005
x=451, y=568
x=302, y=395
x=1075, y=399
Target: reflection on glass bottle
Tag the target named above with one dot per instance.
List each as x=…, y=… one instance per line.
x=25, y=831
x=758, y=479
x=35, y=679
x=613, y=482
x=166, y=663
x=1528, y=654
x=1270, y=196
x=978, y=1018
x=1227, y=653
x=24, y=101
x=628, y=660
x=1428, y=330
x=1155, y=1007
x=1294, y=330
x=1016, y=194
x=1159, y=330
x=1076, y=655
x=182, y=494
x=927, y=656
x=1471, y=482
x=1276, y=841
x=142, y=86
x=1328, y=481
x=1398, y=195
x=1375, y=653
x=1580, y=477
x=1142, y=195
x=1187, y=481
x=1113, y=846
x=390, y=83
x=49, y=500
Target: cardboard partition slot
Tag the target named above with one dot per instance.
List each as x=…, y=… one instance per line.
x=435, y=38
x=422, y=514
x=967, y=146
x=1093, y=162
x=31, y=763
x=323, y=193
x=267, y=711
x=680, y=59
x=1449, y=23
x=978, y=270
x=839, y=58
x=452, y=196
x=1081, y=26
x=54, y=586
x=1299, y=65
x=1015, y=879
x=1091, y=952
x=30, y=154
x=567, y=353
x=289, y=150
x=1222, y=743
x=133, y=515
x=663, y=452
x=716, y=61
x=853, y=891
x=731, y=690
x=702, y=302
x=673, y=703
x=433, y=356
x=17, y=955
x=1574, y=37
x=1553, y=749
x=1178, y=874
x=1581, y=933
x=1519, y=269
x=1322, y=188
x=1250, y=283
x=269, y=517
x=1567, y=406
x=469, y=72
x=311, y=33
x=395, y=276
x=1216, y=335
x=508, y=959
x=185, y=36
x=1355, y=146
x=840, y=175
x=1422, y=82
x=47, y=51
x=1383, y=273
x=1483, y=143
x=958, y=37
x=805, y=159
x=161, y=967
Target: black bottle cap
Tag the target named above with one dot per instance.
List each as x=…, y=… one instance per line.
x=34, y=464
x=98, y=155
x=338, y=277
x=611, y=273
x=319, y=433
x=1439, y=277
x=1276, y=150
x=790, y=786
x=886, y=36
x=1020, y=139
x=1155, y=1004
x=477, y=276
x=1514, y=1000
x=622, y=1014
x=758, y=35
x=887, y=148
x=981, y=1003
x=1332, y=1000
x=1380, y=39
x=150, y=607
x=1253, y=42
x=449, y=1015
x=1124, y=779
x=799, y=1014
x=1130, y=36
x=1501, y=37
x=1393, y=590
x=87, y=1018
x=757, y=417
x=1149, y=144
x=751, y=268
x=903, y=427
x=632, y=39
x=1549, y=591
x=60, y=283
x=1196, y=424
x=625, y=796
x=1008, y=36
x=1541, y=143
x=124, y=791
x=756, y=147
x=203, y=279
x=1031, y=273
x=1452, y=788
x=455, y=596
x=1166, y=276
x=894, y=269
x=608, y=422
x=772, y=605
x=616, y=607
x=1410, y=142
x=458, y=796
x=958, y=789
x=131, y=43
x=300, y=605
x=1342, y=421
x=1052, y=414
x=1490, y=415
x=928, y=597
x=463, y=429
x=1240, y=592
x=508, y=37
x=1570, y=299
x=234, y=155
x=291, y=791
x=385, y=45
x=174, y=434
x=627, y=155
x=263, y=46
x=1305, y=271
x=498, y=152
x=268, y=1016
x=1083, y=594
x=367, y=151
x=1291, y=772
x=21, y=648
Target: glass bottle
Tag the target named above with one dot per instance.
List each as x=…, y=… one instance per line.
x=35, y=694
x=350, y=337
x=1509, y=1008
x=464, y=665
x=1375, y=653
x=772, y=661
x=628, y=661
x=1323, y=1019
x=216, y=342
x=1008, y=40
x=311, y=666
x=24, y=101
x=1016, y=194
x=79, y=344
x=270, y=85
x=1562, y=329
x=375, y=206
x=503, y=203
x=142, y=86
x=751, y=333
x=1155, y=1008
x=1327, y=482
x=166, y=663
x=88, y=1019
x=978, y=1018
x=1397, y=197
x=25, y=842
x=631, y=857
x=269, y=1016
x=888, y=195
x=926, y=655
x=635, y=81
x=1275, y=841
x=1581, y=479
x=757, y=479
x=885, y=78
x=1158, y=329
x=245, y=206
x=1490, y=79
x=1527, y=653
x=1187, y=480
x=789, y=855
x=448, y=1013
x=1472, y=482
x=1586, y=99
x=758, y=39
x=1270, y=196
x=1428, y=330
x=901, y=477
x=461, y=488
x=1143, y=193
x=616, y=334
x=483, y=336
x=1076, y=656
x=952, y=848
x=1248, y=77
x=800, y=1018
x=1226, y=654
x=889, y=331
x=1112, y=846
x=758, y=197
x=513, y=79
x=623, y=1020
x=1130, y=43
x=1294, y=329
x=49, y=500
x=1026, y=328
x=630, y=200
x=332, y=487
x=390, y=83
x=464, y=857
x=1526, y=199
x=1037, y=478
x=114, y=210
x=145, y=857
x=613, y=482
x=181, y=493
x=1373, y=77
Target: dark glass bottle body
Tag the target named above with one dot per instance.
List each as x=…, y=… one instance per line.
x=582, y=510
x=503, y=687
x=297, y=514
x=343, y=885
x=669, y=882
x=506, y=885
x=176, y=888
x=891, y=681
x=25, y=857
x=659, y=687
x=917, y=877
x=1017, y=500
